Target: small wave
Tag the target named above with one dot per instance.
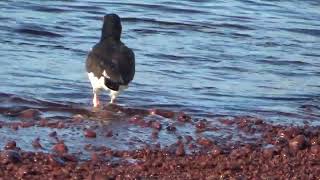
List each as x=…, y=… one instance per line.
x=38, y=32
x=162, y=8
x=235, y=26
x=284, y=63
x=312, y=32
x=47, y=9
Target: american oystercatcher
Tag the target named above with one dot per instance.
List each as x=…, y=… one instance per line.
x=110, y=64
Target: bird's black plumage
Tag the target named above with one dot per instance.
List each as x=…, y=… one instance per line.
x=111, y=55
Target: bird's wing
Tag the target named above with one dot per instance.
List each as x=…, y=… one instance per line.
x=126, y=65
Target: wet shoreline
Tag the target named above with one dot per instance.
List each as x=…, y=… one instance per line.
x=293, y=152
x=118, y=142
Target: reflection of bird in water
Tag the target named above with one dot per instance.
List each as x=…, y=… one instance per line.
x=110, y=64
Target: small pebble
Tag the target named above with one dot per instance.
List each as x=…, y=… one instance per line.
x=90, y=133
x=10, y=156
x=10, y=145
x=298, y=143
x=60, y=148
x=36, y=143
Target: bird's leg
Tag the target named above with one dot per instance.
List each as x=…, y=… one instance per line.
x=113, y=96
x=95, y=100
x=113, y=99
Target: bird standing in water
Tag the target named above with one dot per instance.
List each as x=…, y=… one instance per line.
x=110, y=64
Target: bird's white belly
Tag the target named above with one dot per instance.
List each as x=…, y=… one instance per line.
x=98, y=83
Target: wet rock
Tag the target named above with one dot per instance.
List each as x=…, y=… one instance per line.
x=60, y=148
x=226, y=121
x=69, y=157
x=182, y=117
x=56, y=161
x=95, y=157
x=284, y=134
x=286, y=153
x=78, y=118
x=23, y=170
x=36, y=143
x=315, y=149
x=156, y=125
x=27, y=124
x=242, y=151
x=188, y=139
x=171, y=128
x=60, y=125
x=89, y=133
x=53, y=134
x=216, y=151
x=315, y=141
x=10, y=145
x=269, y=152
x=109, y=133
x=136, y=119
x=43, y=122
x=155, y=134
x=298, y=143
x=163, y=113
x=10, y=156
x=180, y=150
x=201, y=125
x=29, y=114
x=204, y=142
x=15, y=126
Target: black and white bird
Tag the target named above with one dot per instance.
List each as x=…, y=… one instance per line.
x=110, y=63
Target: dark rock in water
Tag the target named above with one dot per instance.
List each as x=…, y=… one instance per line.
x=95, y=157
x=136, y=119
x=27, y=124
x=155, y=134
x=182, y=117
x=201, y=125
x=60, y=148
x=109, y=133
x=53, y=134
x=156, y=125
x=60, y=125
x=204, y=142
x=180, y=150
x=10, y=145
x=30, y=114
x=90, y=133
x=43, y=122
x=226, y=121
x=69, y=157
x=10, y=156
x=298, y=143
x=15, y=126
x=188, y=139
x=163, y=113
x=36, y=143
x=171, y=128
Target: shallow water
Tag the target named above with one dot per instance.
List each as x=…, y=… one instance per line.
x=209, y=59
x=240, y=57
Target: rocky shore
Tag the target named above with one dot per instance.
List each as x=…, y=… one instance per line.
x=274, y=151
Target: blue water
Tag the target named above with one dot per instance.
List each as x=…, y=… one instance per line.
x=207, y=58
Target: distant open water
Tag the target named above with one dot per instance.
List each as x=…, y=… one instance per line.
x=207, y=58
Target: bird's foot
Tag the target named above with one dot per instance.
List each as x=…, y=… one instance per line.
x=96, y=102
x=112, y=100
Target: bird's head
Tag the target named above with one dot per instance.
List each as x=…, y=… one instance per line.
x=111, y=27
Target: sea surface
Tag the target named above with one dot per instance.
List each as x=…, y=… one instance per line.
x=207, y=58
